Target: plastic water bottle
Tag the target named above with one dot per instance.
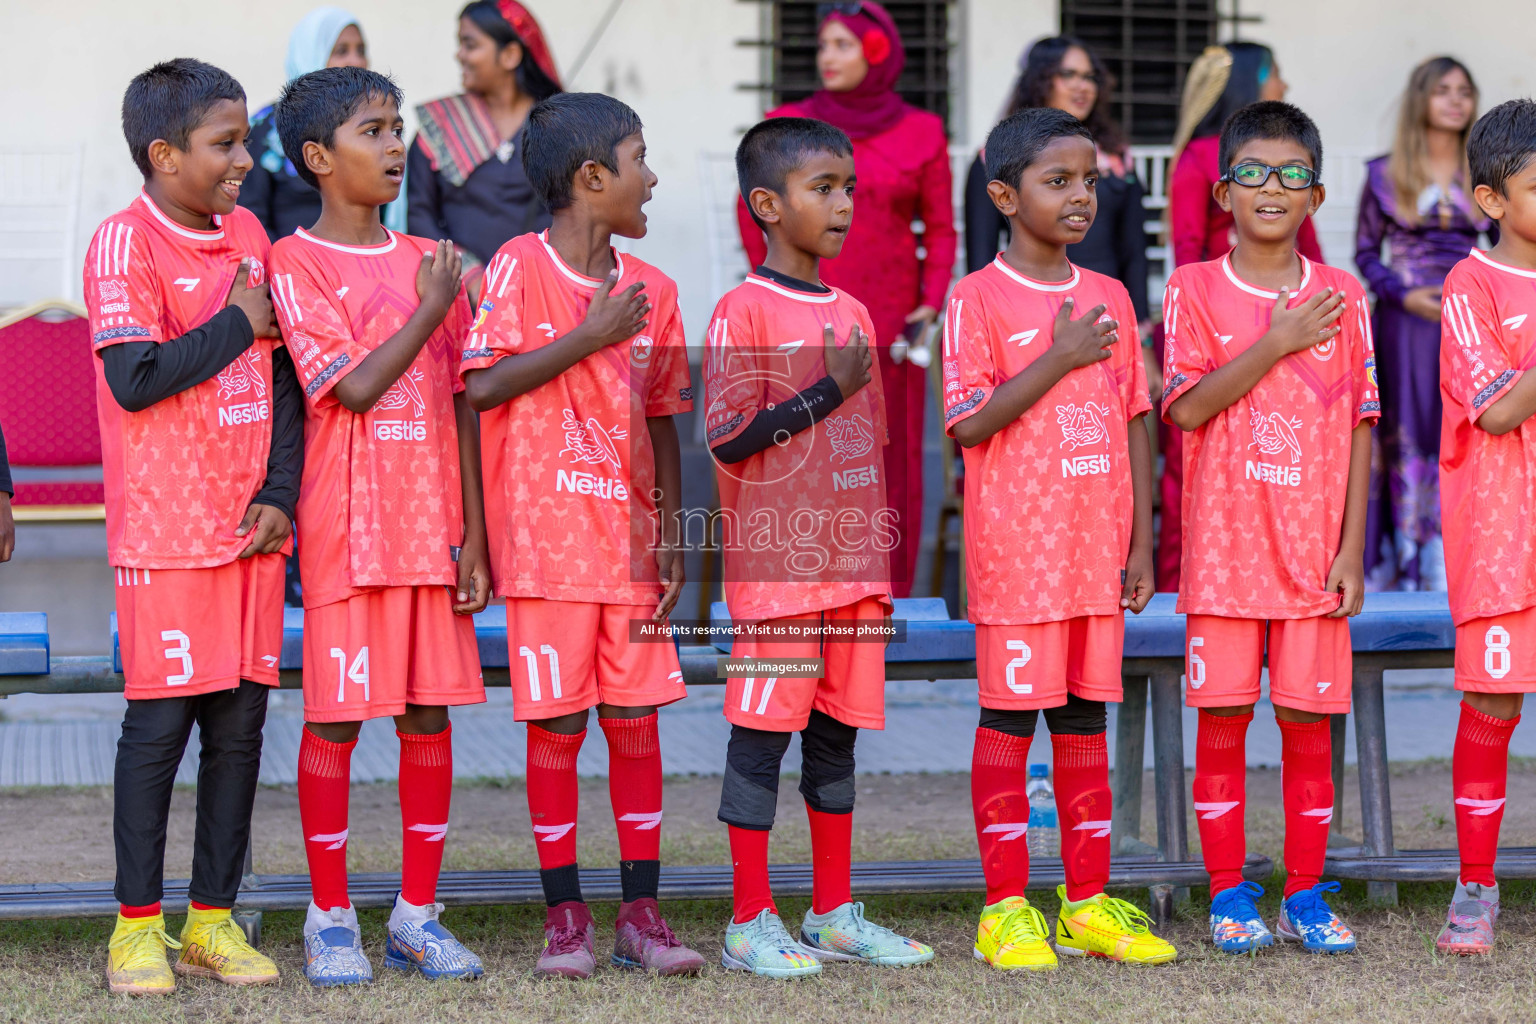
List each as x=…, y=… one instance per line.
x=1044, y=833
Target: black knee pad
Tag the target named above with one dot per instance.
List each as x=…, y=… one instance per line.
x=1008, y=722
x=826, y=765
x=1077, y=717
x=750, y=793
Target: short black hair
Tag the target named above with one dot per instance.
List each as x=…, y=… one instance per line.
x=1501, y=143
x=1019, y=139
x=169, y=101
x=773, y=149
x=313, y=106
x=567, y=130
x=1270, y=119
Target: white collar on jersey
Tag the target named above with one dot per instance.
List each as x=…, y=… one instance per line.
x=818, y=298
x=1496, y=265
x=201, y=236
x=565, y=268
x=356, y=250
x=1040, y=286
x=1306, y=275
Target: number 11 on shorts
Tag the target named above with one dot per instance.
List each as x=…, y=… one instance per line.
x=358, y=673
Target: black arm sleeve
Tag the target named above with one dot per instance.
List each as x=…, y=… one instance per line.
x=1133, y=246
x=423, y=195
x=801, y=412
x=5, y=469
x=285, y=462
x=984, y=226
x=141, y=373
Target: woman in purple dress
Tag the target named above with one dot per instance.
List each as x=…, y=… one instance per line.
x=1416, y=202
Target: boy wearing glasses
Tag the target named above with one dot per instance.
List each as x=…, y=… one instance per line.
x=1270, y=370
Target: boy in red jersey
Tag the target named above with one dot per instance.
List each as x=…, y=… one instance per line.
x=201, y=430
x=577, y=361
x=1270, y=369
x=1050, y=412
x=391, y=499
x=1487, y=466
x=796, y=428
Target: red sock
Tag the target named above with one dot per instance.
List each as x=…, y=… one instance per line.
x=999, y=774
x=750, y=891
x=553, y=795
x=325, y=775
x=831, y=859
x=634, y=784
x=1221, y=795
x=1479, y=770
x=426, y=790
x=1306, y=787
x=193, y=904
x=148, y=910
x=1082, y=796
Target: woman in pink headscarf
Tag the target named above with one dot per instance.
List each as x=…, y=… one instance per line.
x=902, y=160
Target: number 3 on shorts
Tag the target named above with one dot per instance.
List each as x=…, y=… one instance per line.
x=181, y=650
x=1496, y=657
x=358, y=673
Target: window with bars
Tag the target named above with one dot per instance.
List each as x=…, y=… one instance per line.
x=790, y=28
x=1148, y=46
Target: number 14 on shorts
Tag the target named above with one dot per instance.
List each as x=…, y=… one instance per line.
x=357, y=672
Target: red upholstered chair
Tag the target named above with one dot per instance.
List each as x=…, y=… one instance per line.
x=48, y=412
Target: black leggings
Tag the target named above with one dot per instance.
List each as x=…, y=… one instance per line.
x=749, y=795
x=154, y=737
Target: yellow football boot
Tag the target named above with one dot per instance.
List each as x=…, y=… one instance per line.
x=213, y=946
x=136, y=963
x=1114, y=929
x=1012, y=937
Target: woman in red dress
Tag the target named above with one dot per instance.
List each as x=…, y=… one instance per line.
x=900, y=253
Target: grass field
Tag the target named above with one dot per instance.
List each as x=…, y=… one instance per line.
x=53, y=969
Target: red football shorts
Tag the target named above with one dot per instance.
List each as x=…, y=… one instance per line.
x=1037, y=664
x=1310, y=668
x=372, y=654
x=185, y=632
x=851, y=688
x=1497, y=654
x=568, y=656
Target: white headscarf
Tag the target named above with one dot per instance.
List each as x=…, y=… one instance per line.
x=313, y=39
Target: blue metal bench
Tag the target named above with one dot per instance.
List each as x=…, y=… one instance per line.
x=23, y=643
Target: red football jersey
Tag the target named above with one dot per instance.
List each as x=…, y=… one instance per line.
x=569, y=470
x=179, y=475
x=1060, y=474
x=1265, y=480
x=805, y=525
x=1487, y=340
x=381, y=504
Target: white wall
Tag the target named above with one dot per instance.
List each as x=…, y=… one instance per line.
x=1347, y=63
x=63, y=69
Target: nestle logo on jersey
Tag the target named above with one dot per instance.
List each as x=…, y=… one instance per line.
x=245, y=412
x=1085, y=465
x=848, y=479
x=577, y=482
x=399, y=430
x=1269, y=473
